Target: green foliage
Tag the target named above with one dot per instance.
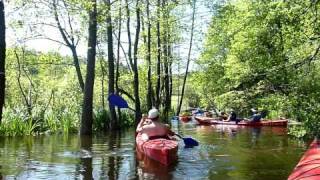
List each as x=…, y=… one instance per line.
x=185, y=113
x=15, y=125
x=297, y=131
x=263, y=55
x=101, y=120
x=127, y=119
x=53, y=97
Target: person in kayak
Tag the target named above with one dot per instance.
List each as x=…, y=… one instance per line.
x=151, y=128
x=256, y=117
x=233, y=116
x=223, y=116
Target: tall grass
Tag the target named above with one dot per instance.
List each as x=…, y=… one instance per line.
x=18, y=123
x=102, y=119
x=17, y=127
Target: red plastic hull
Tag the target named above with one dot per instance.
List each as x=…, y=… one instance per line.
x=308, y=167
x=212, y=121
x=161, y=150
x=185, y=118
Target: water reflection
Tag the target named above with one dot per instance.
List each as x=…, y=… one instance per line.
x=239, y=153
x=255, y=134
x=86, y=157
x=114, y=161
x=150, y=169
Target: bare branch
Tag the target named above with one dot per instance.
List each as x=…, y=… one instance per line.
x=124, y=52
x=122, y=91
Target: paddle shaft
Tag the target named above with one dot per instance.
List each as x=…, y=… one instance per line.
x=178, y=135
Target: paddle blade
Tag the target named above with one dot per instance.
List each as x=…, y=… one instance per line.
x=189, y=142
x=116, y=100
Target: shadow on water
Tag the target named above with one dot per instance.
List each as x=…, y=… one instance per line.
x=86, y=157
x=114, y=161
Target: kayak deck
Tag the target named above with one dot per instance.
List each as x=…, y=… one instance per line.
x=211, y=121
x=161, y=150
x=308, y=167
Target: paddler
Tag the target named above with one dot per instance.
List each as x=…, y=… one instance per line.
x=151, y=128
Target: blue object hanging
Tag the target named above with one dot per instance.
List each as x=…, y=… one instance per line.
x=117, y=100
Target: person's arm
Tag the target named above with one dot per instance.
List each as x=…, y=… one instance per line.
x=169, y=131
x=229, y=117
x=141, y=123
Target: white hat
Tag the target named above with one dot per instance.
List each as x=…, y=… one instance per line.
x=153, y=113
x=253, y=110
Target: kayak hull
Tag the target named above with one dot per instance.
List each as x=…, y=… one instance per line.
x=161, y=150
x=211, y=121
x=308, y=167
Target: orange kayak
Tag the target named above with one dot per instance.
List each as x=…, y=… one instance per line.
x=308, y=167
x=211, y=121
x=161, y=150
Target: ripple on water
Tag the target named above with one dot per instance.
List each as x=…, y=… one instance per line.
x=241, y=156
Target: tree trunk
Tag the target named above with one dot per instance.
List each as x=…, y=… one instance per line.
x=150, y=90
x=27, y=99
x=87, y=119
x=158, y=57
x=170, y=74
x=165, y=58
x=135, y=67
x=129, y=35
x=102, y=83
x=70, y=43
x=118, y=56
x=188, y=60
x=113, y=116
x=2, y=57
x=77, y=66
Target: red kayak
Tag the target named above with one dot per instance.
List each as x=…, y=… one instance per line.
x=211, y=121
x=308, y=167
x=161, y=150
x=185, y=118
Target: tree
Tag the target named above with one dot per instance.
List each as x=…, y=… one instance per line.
x=135, y=67
x=188, y=59
x=165, y=58
x=150, y=102
x=133, y=62
x=158, y=85
x=87, y=116
x=69, y=38
x=2, y=57
x=118, y=54
x=113, y=116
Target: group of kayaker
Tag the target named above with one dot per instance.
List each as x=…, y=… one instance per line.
x=150, y=127
x=256, y=116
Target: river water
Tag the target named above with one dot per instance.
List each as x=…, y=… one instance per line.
x=224, y=153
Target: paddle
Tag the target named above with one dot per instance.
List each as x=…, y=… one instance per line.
x=117, y=100
x=188, y=142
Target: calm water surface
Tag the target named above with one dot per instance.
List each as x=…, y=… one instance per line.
x=225, y=152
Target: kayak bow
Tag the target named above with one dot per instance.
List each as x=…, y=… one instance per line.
x=161, y=150
x=308, y=167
